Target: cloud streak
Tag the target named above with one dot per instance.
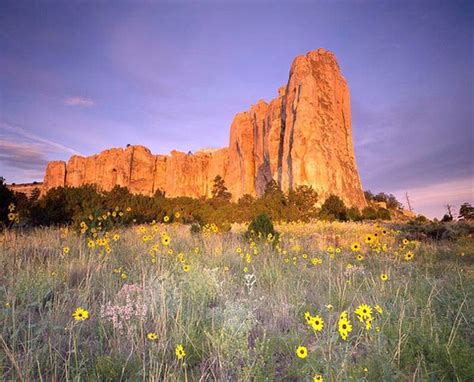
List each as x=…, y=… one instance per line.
x=79, y=101
x=24, y=155
x=17, y=134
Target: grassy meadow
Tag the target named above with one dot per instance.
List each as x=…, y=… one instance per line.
x=321, y=301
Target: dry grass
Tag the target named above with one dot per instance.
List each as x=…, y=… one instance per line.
x=233, y=325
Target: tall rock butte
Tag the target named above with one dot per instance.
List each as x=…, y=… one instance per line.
x=302, y=137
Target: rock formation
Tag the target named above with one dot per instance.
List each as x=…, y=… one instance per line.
x=302, y=137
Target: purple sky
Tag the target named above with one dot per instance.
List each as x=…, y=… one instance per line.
x=79, y=77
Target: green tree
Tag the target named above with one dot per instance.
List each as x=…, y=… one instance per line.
x=333, y=208
x=302, y=202
x=219, y=190
x=466, y=212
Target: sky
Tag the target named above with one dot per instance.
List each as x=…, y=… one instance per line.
x=79, y=77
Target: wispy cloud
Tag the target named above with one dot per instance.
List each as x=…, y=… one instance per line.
x=79, y=101
x=23, y=155
x=18, y=134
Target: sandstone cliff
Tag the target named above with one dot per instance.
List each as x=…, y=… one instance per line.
x=302, y=137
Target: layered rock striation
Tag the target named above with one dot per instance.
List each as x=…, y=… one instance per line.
x=302, y=137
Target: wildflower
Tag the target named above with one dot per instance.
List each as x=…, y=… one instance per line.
x=378, y=309
x=363, y=312
x=246, y=269
x=317, y=323
x=177, y=215
x=308, y=318
x=330, y=250
x=11, y=216
x=180, y=353
x=302, y=352
x=165, y=240
x=360, y=257
x=329, y=307
x=226, y=268
x=80, y=314
x=91, y=244
x=11, y=207
x=116, y=237
x=152, y=336
x=186, y=268
x=405, y=241
x=316, y=260
x=123, y=276
x=66, y=250
x=166, y=219
x=368, y=324
x=318, y=378
x=355, y=247
x=384, y=277
x=409, y=255
x=338, y=250
x=344, y=326
x=369, y=239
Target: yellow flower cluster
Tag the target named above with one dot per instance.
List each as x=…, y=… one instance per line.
x=12, y=215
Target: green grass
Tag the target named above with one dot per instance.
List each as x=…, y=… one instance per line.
x=233, y=329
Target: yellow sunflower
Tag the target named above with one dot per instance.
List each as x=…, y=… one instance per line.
x=180, y=353
x=355, y=247
x=80, y=314
x=302, y=352
x=409, y=255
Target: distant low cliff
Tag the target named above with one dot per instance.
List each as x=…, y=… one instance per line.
x=25, y=188
x=302, y=137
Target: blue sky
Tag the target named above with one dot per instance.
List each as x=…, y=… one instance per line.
x=79, y=77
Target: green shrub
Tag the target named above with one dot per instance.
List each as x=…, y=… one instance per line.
x=260, y=227
x=333, y=208
x=195, y=228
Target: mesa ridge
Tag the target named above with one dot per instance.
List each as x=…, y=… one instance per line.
x=301, y=137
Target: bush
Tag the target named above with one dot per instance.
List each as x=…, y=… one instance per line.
x=333, y=209
x=353, y=214
x=6, y=198
x=195, y=228
x=260, y=227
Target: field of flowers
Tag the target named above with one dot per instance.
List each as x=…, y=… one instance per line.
x=321, y=301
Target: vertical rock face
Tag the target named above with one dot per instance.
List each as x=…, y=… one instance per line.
x=302, y=137
x=316, y=120
x=55, y=175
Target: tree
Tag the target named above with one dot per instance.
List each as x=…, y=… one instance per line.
x=449, y=208
x=446, y=218
x=35, y=194
x=466, y=212
x=302, y=202
x=219, y=190
x=354, y=214
x=333, y=208
x=273, y=202
x=368, y=195
x=369, y=213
